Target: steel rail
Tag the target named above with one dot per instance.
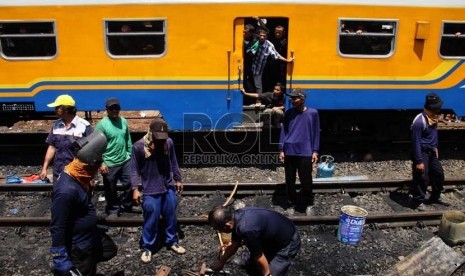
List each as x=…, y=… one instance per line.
x=319, y=186
x=376, y=220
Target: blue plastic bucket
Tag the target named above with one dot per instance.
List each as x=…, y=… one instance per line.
x=351, y=224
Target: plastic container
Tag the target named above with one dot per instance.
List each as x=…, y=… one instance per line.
x=325, y=167
x=452, y=227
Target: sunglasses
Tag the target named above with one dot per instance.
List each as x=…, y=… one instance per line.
x=114, y=108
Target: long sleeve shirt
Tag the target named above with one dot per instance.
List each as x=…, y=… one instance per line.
x=265, y=50
x=262, y=230
x=119, y=145
x=74, y=220
x=300, y=134
x=424, y=137
x=156, y=172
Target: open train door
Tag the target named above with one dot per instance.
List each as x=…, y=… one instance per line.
x=245, y=46
x=245, y=50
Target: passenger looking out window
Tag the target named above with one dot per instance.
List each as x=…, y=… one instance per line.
x=453, y=40
x=136, y=38
x=366, y=38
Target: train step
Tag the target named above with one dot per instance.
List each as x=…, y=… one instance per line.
x=249, y=126
x=251, y=113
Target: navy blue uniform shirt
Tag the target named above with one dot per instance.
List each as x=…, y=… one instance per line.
x=74, y=221
x=263, y=231
x=424, y=137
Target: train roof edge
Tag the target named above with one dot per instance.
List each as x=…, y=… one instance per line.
x=421, y=3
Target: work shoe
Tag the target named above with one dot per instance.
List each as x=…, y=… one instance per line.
x=124, y=209
x=289, y=211
x=178, y=249
x=146, y=256
x=439, y=201
x=423, y=207
x=415, y=203
x=309, y=211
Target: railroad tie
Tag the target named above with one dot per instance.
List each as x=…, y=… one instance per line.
x=163, y=271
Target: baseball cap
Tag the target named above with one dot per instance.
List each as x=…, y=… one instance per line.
x=112, y=101
x=62, y=100
x=159, y=129
x=298, y=92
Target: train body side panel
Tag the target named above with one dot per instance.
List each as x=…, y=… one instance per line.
x=192, y=75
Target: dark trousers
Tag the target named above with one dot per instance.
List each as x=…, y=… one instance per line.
x=303, y=166
x=282, y=260
x=123, y=174
x=433, y=174
x=86, y=260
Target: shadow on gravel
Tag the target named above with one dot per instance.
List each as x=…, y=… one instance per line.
x=279, y=197
x=400, y=197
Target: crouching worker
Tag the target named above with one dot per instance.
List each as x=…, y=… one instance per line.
x=272, y=239
x=77, y=244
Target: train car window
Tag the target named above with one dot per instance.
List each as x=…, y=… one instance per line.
x=367, y=38
x=453, y=40
x=136, y=38
x=28, y=40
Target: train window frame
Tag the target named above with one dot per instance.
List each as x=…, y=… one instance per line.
x=35, y=36
x=450, y=37
x=384, y=24
x=109, y=34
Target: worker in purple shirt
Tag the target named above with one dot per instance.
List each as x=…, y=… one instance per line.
x=155, y=168
x=426, y=167
x=298, y=149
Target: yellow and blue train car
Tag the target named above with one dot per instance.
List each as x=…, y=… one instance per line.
x=185, y=58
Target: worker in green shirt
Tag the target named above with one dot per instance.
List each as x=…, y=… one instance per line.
x=116, y=159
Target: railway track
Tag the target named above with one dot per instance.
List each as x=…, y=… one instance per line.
x=320, y=185
x=378, y=221
x=396, y=218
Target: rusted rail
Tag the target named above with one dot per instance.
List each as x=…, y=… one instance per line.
x=376, y=220
x=319, y=186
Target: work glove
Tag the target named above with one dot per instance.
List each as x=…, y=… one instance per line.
x=62, y=264
x=75, y=272
x=71, y=272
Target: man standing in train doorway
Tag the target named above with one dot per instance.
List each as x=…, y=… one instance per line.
x=298, y=146
x=426, y=167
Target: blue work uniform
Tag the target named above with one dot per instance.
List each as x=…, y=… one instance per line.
x=267, y=232
x=424, y=147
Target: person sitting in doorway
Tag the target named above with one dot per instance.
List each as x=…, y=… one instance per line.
x=274, y=104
